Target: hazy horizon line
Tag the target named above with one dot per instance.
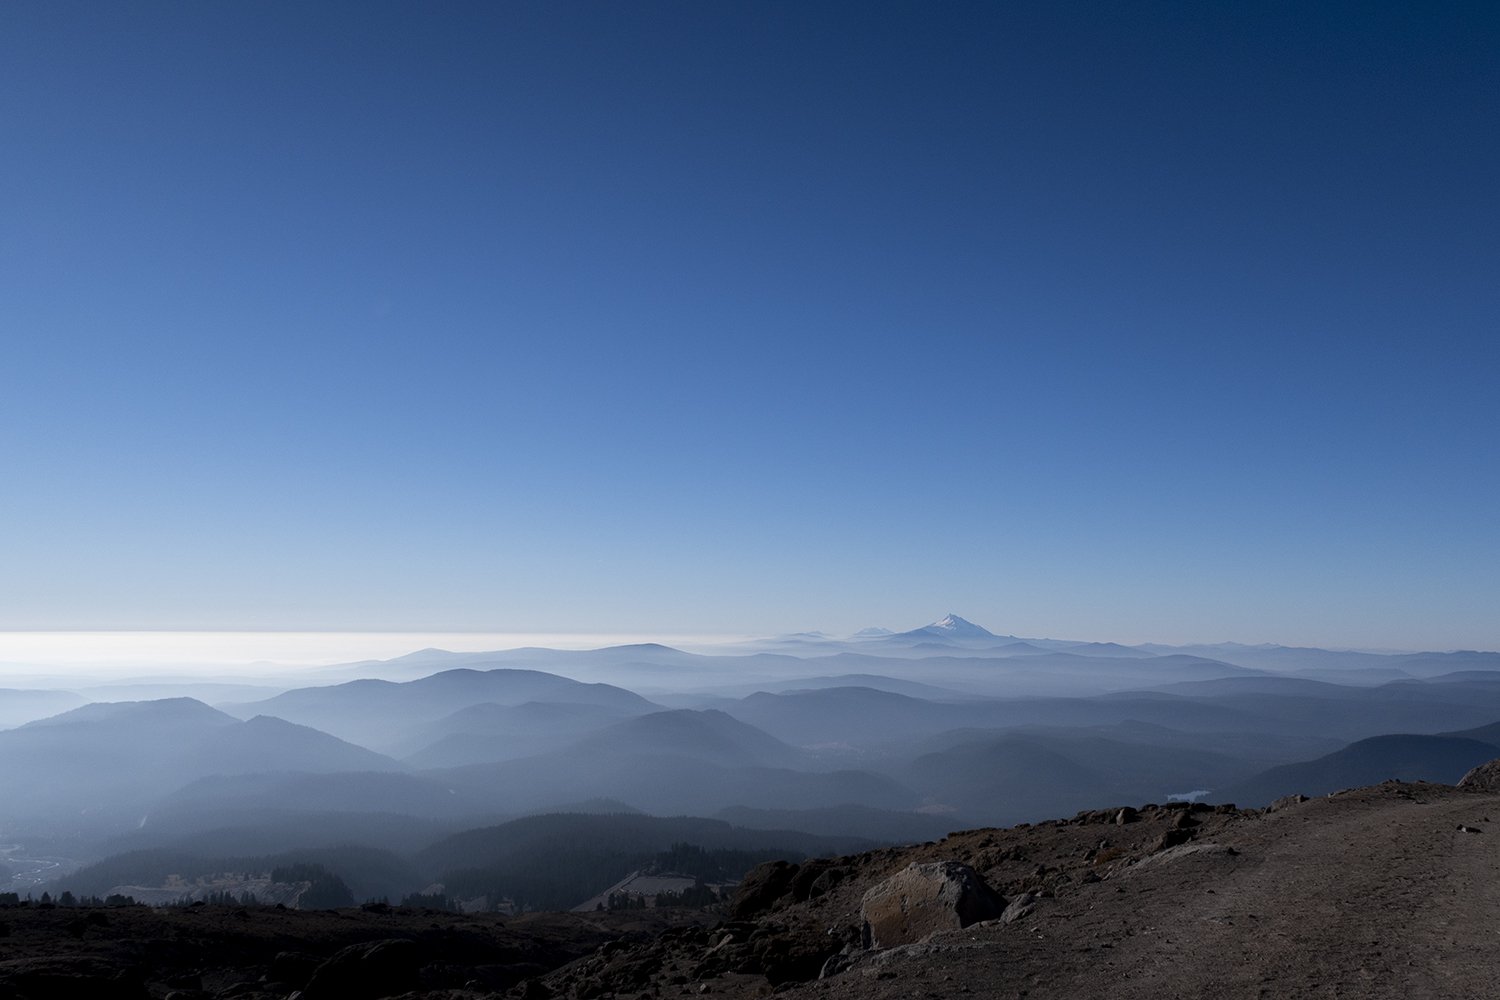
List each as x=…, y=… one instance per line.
x=239, y=647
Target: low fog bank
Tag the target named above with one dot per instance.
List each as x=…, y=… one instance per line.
x=789, y=746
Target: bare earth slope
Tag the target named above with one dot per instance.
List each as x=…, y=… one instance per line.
x=1375, y=892
x=1369, y=893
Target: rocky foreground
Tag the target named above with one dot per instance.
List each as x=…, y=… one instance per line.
x=1391, y=891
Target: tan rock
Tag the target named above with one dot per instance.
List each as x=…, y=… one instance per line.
x=922, y=899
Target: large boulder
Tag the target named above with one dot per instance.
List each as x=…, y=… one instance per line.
x=1484, y=778
x=922, y=899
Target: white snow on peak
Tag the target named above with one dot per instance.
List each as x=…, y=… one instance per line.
x=954, y=625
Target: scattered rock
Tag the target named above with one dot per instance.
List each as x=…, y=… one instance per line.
x=1172, y=838
x=1468, y=829
x=825, y=882
x=1286, y=801
x=814, y=878
x=367, y=971
x=762, y=887
x=839, y=962
x=1126, y=815
x=533, y=989
x=1022, y=906
x=922, y=899
x=70, y=977
x=1180, y=852
x=293, y=967
x=1484, y=778
x=790, y=957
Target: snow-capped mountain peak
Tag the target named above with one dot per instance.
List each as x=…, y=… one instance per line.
x=952, y=624
x=949, y=630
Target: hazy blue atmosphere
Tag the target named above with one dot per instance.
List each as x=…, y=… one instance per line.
x=1158, y=322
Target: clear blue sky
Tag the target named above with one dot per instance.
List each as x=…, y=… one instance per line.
x=1168, y=321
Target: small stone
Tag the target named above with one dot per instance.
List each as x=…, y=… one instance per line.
x=1173, y=838
x=1021, y=906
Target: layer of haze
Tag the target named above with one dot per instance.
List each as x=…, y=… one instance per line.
x=1166, y=322
x=127, y=652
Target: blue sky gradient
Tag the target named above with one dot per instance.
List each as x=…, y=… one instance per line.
x=1157, y=321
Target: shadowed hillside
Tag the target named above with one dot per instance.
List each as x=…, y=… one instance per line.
x=1408, y=758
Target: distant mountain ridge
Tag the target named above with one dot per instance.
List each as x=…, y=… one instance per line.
x=109, y=760
x=1404, y=757
x=19, y=706
x=950, y=719
x=363, y=711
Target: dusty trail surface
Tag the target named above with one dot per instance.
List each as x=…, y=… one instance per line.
x=1370, y=893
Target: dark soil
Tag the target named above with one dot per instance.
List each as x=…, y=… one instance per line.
x=252, y=952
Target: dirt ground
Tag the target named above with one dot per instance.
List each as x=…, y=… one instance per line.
x=1371, y=893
